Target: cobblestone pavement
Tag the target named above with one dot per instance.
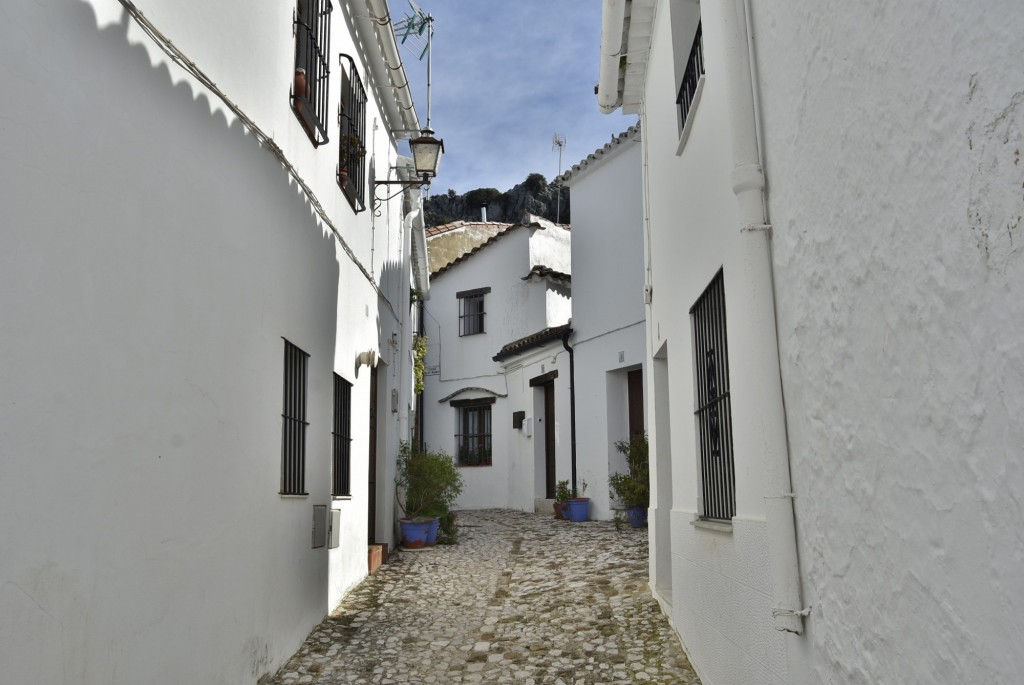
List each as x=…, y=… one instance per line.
x=521, y=599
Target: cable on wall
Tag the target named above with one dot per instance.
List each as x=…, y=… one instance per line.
x=182, y=60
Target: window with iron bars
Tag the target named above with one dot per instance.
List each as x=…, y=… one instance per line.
x=312, y=27
x=474, y=438
x=471, y=311
x=341, y=480
x=714, y=413
x=352, y=137
x=694, y=70
x=293, y=421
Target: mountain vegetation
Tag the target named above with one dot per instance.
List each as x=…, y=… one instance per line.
x=534, y=195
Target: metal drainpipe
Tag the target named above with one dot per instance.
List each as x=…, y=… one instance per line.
x=572, y=401
x=419, y=396
x=613, y=16
x=748, y=183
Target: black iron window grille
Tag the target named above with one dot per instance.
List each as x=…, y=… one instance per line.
x=714, y=413
x=474, y=440
x=293, y=421
x=694, y=70
x=352, y=137
x=312, y=27
x=471, y=311
x=341, y=480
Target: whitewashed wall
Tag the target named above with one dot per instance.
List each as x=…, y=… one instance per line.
x=608, y=312
x=466, y=361
x=719, y=593
x=896, y=196
x=514, y=308
x=526, y=447
x=152, y=259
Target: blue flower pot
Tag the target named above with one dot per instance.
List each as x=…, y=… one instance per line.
x=578, y=509
x=435, y=525
x=637, y=516
x=414, y=533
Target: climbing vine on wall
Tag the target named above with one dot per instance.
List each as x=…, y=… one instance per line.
x=419, y=349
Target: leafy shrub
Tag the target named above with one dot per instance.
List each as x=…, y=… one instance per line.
x=633, y=489
x=427, y=482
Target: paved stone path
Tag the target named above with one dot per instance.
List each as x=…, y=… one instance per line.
x=521, y=599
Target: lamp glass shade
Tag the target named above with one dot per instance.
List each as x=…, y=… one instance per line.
x=426, y=154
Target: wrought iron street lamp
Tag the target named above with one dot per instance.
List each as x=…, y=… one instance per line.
x=426, y=157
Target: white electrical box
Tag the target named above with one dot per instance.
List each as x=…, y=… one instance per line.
x=334, y=532
x=319, y=525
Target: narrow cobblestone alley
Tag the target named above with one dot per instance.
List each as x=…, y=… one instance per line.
x=522, y=599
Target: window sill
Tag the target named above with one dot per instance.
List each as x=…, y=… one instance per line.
x=716, y=526
x=294, y=495
x=341, y=498
x=474, y=466
x=690, y=116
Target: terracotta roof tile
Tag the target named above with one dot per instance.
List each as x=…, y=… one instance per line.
x=444, y=228
x=528, y=220
x=543, y=271
x=533, y=340
x=458, y=260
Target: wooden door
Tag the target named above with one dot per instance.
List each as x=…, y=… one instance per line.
x=372, y=489
x=549, y=440
x=635, y=388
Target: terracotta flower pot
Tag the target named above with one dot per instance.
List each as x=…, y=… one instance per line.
x=300, y=89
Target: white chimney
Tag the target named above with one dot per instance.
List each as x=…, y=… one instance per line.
x=483, y=213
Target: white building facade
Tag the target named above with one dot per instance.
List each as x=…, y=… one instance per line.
x=496, y=393
x=185, y=290
x=608, y=310
x=834, y=332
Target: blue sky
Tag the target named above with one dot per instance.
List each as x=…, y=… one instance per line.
x=507, y=76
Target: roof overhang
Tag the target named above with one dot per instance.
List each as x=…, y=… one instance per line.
x=475, y=392
x=626, y=27
x=534, y=340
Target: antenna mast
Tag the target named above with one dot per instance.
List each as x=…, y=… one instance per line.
x=558, y=141
x=414, y=26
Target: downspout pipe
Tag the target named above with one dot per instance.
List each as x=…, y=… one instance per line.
x=391, y=73
x=420, y=396
x=572, y=401
x=748, y=183
x=613, y=17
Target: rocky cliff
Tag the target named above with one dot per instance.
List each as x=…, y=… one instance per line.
x=534, y=195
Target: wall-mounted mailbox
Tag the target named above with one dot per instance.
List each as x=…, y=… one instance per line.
x=517, y=419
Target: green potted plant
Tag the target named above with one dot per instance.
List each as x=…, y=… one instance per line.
x=352, y=150
x=562, y=495
x=427, y=484
x=633, y=489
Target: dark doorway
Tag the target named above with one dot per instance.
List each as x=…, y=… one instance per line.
x=372, y=489
x=549, y=440
x=635, y=389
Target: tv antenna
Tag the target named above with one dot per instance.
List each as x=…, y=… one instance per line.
x=418, y=28
x=558, y=141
